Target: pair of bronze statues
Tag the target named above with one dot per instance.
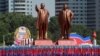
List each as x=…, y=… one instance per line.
x=64, y=19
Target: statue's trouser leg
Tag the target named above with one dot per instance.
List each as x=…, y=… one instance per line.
x=62, y=31
x=67, y=34
x=40, y=32
x=44, y=31
x=46, y=28
x=67, y=29
x=37, y=27
x=37, y=34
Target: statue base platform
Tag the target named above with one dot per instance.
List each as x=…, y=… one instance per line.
x=66, y=42
x=44, y=42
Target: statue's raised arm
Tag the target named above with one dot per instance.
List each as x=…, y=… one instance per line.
x=36, y=8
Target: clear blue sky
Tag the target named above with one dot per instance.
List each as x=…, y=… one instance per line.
x=49, y=5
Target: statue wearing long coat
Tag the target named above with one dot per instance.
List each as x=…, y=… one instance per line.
x=64, y=19
x=42, y=21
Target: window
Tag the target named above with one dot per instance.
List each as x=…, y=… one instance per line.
x=73, y=7
x=76, y=10
x=19, y=4
x=17, y=1
x=76, y=3
x=67, y=3
x=77, y=22
x=81, y=11
x=81, y=22
x=73, y=21
x=81, y=4
x=81, y=7
x=81, y=14
x=85, y=11
x=19, y=8
x=76, y=7
x=58, y=7
x=27, y=1
x=73, y=11
x=81, y=19
x=76, y=14
x=76, y=18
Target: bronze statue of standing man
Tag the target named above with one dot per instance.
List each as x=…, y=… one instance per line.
x=42, y=21
x=64, y=18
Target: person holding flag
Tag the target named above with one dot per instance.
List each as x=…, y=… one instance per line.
x=94, y=35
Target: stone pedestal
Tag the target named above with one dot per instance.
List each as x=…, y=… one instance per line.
x=44, y=42
x=66, y=43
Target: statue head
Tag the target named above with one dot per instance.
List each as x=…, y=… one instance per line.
x=42, y=6
x=65, y=6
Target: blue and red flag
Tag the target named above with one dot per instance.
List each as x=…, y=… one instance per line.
x=80, y=39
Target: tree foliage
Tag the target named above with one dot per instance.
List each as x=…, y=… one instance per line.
x=54, y=28
x=10, y=21
x=82, y=30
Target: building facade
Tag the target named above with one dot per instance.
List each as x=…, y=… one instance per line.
x=3, y=6
x=86, y=12
x=91, y=14
x=98, y=14
x=21, y=6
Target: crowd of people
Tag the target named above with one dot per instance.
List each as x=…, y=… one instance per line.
x=50, y=51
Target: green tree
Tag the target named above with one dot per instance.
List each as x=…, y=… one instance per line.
x=82, y=30
x=98, y=37
x=3, y=30
x=54, y=28
x=10, y=21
